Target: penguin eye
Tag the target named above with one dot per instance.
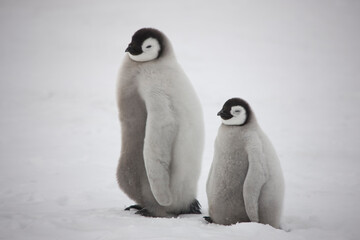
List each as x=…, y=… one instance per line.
x=148, y=46
x=237, y=111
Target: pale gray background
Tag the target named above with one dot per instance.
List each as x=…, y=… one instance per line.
x=296, y=62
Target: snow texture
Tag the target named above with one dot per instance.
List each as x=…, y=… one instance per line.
x=296, y=62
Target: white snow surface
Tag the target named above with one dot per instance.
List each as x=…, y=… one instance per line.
x=296, y=62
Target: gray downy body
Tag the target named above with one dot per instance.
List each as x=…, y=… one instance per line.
x=135, y=79
x=229, y=170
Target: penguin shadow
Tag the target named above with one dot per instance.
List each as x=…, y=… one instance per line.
x=293, y=223
x=283, y=226
x=289, y=224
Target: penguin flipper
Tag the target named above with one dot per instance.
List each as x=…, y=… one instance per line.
x=256, y=177
x=160, y=133
x=136, y=206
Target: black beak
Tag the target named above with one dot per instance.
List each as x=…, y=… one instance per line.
x=133, y=50
x=129, y=48
x=224, y=115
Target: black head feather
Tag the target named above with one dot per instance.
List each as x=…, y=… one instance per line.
x=140, y=36
x=225, y=112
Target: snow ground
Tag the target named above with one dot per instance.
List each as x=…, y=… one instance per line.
x=296, y=62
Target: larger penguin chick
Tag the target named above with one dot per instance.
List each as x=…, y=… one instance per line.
x=161, y=128
x=245, y=182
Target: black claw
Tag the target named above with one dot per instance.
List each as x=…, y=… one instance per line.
x=137, y=207
x=195, y=207
x=208, y=219
x=144, y=212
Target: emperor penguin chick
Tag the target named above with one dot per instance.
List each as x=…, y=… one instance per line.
x=245, y=182
x=161, y=128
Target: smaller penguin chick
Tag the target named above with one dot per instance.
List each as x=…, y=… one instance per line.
x=245, y=183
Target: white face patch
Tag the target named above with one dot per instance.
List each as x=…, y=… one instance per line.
x=150, y=48
x=239, y=116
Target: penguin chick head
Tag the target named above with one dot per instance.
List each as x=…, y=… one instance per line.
x=146, y=45
x=235, y=112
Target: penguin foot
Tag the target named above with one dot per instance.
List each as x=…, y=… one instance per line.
x=195, y=207
x=208, y=219
x=137, y=207
x=144, y=212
